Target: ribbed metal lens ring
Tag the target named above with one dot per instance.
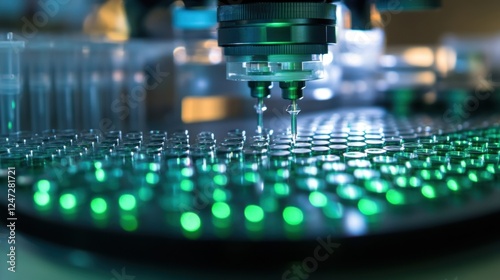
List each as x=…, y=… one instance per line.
x=274, y=28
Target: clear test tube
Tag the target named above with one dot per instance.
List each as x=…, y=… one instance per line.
x=10, y=83
x=115, y=98
x=40, y=84
x=108, y=58
x=65, y=65
x=91, y=85
x=136, y=86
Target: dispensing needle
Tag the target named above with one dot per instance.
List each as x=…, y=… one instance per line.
x=260, y=107
x=293, y=91
x=293, y=109
x=260, y=90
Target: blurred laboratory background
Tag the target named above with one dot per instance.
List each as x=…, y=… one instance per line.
x=135, y=65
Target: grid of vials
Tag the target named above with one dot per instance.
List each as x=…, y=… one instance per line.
x=343, y=172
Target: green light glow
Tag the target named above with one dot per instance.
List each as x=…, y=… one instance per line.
x=401, y=181
x=190, y=221
x=67, y=201
x=377, y=186
x=453, y=185
x=349, y=191
x=9, y=125
x=251, y=177
x=254, y=213
x=491, y=168
x=221, y=210
x=392, y=169
x=293, y=215
x=426, y=174
x=187, y=172
x=98, y=205
x=429, y=191
x=277, y=24
x=284, y=173
x=311, y=184
x=281, y=189
x=220, y=179
x=219, y=195
x=473, y=177
x=318, y=199
x=219, y=168
x=43, y=185
x=152, y=178
x=41, y=198
x=129, y=222
x=368, y=207
x=333, y=210
x=127, y=202
x=414, y=181
x=98, y=165
x=395, y=197
x=187, y=185
x=100, y=175
x=431, y=175
x=154, y=166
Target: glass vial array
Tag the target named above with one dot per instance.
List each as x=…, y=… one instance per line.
x=369, y=164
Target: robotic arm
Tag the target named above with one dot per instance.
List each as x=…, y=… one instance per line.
x=276, y=41
x=283, y=41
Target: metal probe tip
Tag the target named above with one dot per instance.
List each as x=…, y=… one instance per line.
x=260, y=107
x=293, y=109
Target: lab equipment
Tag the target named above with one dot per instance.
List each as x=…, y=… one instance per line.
x=78, y=82
x=95, y=79
x=66, y=82
x=276, y=42
x=40, y=83
x=362, y=177
x=351, y=174
x=284, y=41
x=10, y=83
x=200, y=95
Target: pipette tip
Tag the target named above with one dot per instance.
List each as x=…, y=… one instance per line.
x=260, y=107
x=293, y=109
